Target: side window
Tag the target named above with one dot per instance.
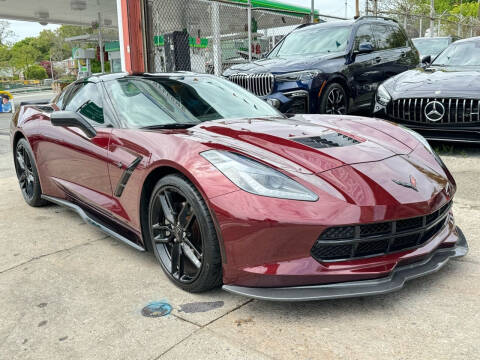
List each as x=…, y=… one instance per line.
x=397, y=38
x=364, y=34
x=383, y=35
x=87, y=101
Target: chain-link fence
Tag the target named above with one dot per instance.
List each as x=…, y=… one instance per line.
x=421, y=25
x=209, y=36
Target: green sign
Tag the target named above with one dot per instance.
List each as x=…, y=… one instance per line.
x=83, y=68
x=112, y=46
x=159, y=40
x=198, y=42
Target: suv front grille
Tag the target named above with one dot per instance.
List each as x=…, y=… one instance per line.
x=358, y=241
x=259, y=84
x=460, y=112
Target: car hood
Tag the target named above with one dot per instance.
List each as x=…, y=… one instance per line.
x=282, y=64
x=304, y=144
x=435, y=82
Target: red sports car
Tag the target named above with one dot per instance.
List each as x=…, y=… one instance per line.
x=226, y=190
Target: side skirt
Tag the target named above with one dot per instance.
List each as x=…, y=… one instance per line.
x=107, y=230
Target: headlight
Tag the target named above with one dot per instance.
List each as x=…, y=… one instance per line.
x=256, y=178
x=383, y=97
x=298, y=76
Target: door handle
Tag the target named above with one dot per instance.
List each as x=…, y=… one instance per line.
x=377, y=59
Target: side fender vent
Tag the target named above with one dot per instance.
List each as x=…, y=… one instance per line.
x=327, y=141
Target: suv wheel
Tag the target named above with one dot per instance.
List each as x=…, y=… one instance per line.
x=334, y=100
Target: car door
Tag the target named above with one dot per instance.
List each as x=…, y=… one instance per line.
x=387, y=56
x=405, y=54
x=365, y=70
x=76, y=163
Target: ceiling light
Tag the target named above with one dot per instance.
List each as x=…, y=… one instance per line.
x=78, y=5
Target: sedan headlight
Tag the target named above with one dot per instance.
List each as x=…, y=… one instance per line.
x=298, y=76
x=383, y=97
x=256, y=178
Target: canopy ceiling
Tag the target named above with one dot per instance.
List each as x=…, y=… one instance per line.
x=74, y=12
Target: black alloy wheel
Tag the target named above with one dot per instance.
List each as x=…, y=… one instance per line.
x=183, y=236
x=27, y=174
x=334, y=100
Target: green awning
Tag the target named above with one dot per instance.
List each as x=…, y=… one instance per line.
x=278, y=6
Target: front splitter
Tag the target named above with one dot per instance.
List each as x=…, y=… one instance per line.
x=395, y=281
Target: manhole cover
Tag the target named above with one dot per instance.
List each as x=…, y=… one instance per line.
x=157, y=309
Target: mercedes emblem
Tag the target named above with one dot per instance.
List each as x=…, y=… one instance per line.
x=434, y=111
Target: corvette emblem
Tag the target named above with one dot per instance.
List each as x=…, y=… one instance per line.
x=411, y=185
x=434, y=111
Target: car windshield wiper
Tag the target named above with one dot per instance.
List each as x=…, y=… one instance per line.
x=169, y=126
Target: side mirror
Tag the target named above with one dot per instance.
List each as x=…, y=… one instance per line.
x=426, y=60
x=71, y=118
x=365, y=47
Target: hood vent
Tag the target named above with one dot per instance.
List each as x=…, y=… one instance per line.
x=327, y=141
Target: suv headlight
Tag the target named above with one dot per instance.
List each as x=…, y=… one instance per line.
x=383, y=97
x=298, y=76
x=256, y=178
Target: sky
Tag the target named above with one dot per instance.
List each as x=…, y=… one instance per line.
x=24, y=29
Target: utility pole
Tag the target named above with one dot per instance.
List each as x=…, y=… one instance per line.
x=432, y=17
x=312, y=11
x=249, y=28
x=357, y=9
x=51, y=67
x=366, y=7
x=100, y=44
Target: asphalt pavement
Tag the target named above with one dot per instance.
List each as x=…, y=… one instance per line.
x=69, y=291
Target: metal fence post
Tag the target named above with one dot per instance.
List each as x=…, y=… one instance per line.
x=432, y=17
x=249, y=21
x=421, y=27
x=217, y=47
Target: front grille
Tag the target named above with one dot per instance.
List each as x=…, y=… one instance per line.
x=358, y=241
x=259, y=84
x=460, y=112
x=333, y=139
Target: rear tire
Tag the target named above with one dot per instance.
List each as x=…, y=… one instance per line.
x=183, y=236
x=334, y=100
x=27, y=174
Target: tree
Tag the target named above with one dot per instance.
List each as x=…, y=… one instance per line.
x=36, y=72
x=24, y=55
x=5, y=32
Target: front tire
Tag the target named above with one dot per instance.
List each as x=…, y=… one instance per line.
x=27, y=174
x=334, y=100
x=183, y=236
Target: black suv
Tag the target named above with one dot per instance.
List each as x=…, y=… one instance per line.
x=331, y=68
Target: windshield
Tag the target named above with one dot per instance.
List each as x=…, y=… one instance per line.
x=313, y=41
x=150, y=102
x=431, y=47
x=460, y=54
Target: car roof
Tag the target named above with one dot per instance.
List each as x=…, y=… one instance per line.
x=472, y=39
x=433, y=37
x=115, y=76
x=345, y=22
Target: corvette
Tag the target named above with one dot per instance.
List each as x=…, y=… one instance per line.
x=225, y=190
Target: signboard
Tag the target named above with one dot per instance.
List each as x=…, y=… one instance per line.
x=159, y=40
x=198, y=42
x=112, y=46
